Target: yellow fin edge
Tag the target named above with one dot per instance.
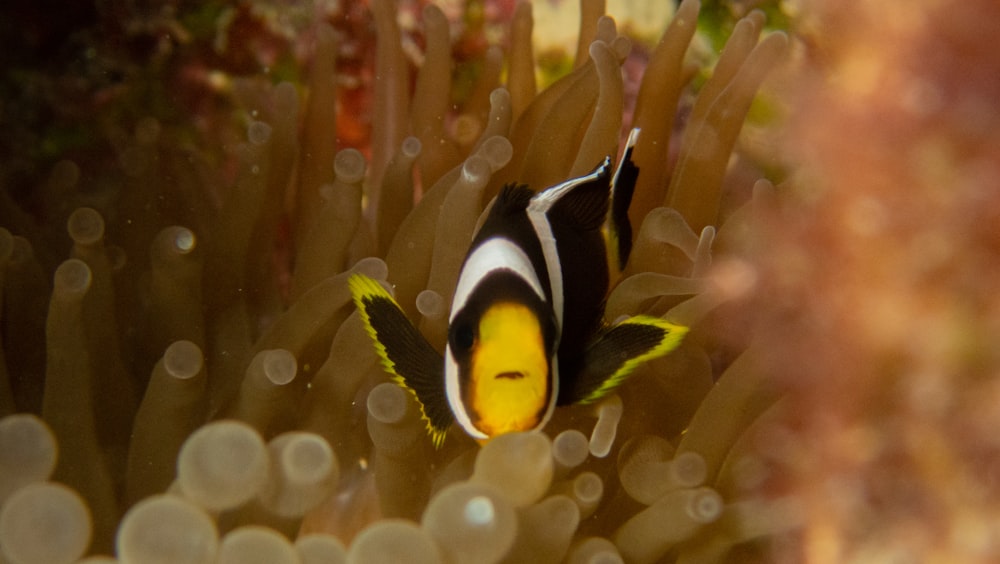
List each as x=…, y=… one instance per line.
x=362, y=286
x=670, y=341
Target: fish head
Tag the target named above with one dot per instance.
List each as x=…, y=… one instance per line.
x=499, y=362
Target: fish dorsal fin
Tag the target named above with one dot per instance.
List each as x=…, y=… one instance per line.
x=622, y=189
x=513, y=198
x=617, y=352
x=579, y=202
x=404, y=352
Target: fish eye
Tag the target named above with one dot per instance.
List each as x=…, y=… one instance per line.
x=462, y=336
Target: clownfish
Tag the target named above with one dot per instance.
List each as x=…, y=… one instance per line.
x=525, y=328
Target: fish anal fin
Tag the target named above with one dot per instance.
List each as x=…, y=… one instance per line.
x=404, y=352
x=619, y=350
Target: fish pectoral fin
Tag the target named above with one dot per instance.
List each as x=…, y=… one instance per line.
x=404, y=352
x=618, y=351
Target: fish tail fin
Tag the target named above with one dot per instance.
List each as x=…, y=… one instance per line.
x=622, y=189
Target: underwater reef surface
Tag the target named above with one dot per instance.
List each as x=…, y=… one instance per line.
x=186, y=189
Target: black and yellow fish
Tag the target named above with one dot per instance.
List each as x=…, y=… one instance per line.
x=525, y=330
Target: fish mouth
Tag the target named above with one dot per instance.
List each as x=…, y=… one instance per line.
x=509, y=375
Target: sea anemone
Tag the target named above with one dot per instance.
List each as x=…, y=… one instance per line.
x=209, y=393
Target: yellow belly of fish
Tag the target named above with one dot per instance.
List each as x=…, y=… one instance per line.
x=509, y=371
